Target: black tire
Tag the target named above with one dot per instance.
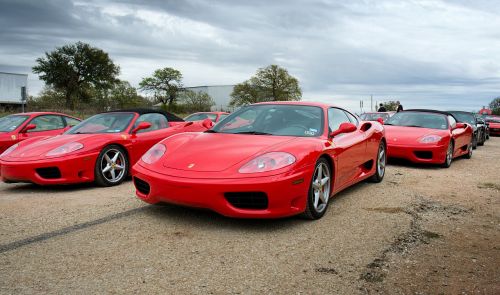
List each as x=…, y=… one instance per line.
x=469, y=152
x=101, y=177
x=483, y=139
x=317, y=211
x=474, y=141
x=448, y=159
x=380, y=163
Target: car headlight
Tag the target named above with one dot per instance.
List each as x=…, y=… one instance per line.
x=65, y=149
x=154, y=153
x=9, y=150
x=430, y=138
x=268, y=162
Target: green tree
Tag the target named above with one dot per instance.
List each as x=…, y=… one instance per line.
x=165, y=85
x=48, y=99
x=75, y=69
x=196, y=101
x=390, y=105
x=495, y=106
x=272, y=83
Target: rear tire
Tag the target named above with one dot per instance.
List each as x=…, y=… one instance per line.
x=449, y=155
x=469, y=152
x=380, y=163
x=111, y=167
x=319, y=191
x=474, y=141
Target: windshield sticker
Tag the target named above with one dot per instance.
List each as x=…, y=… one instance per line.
x=308, y=132
x=313, y=130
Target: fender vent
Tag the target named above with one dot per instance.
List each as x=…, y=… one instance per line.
x=247, y=200
x=141, y=186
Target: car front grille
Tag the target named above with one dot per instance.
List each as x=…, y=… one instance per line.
x=49, y=172
x=142, y=186
x=423, y=154
x=247, y=200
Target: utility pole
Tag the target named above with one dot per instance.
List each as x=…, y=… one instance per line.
x=371, y=103
x=23, y=96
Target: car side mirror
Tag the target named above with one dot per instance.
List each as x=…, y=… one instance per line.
x=380, y=120
x=28, y=127
x=141, y=126
x=207, y=123
x=344, y=128
x=460, y=125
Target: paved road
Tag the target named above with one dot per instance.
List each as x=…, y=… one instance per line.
x=424, y=229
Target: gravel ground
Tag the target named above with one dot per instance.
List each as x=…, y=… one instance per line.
x=423, y=230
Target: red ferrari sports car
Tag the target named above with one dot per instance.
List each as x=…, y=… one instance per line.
x=494, y=124
x=18, y=127
x=213, y=116
x=427, y=136
x=265, y=160
x=100, y=149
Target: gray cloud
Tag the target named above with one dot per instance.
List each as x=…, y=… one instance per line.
x=425, y=53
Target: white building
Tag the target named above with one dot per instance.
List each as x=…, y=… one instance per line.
x=221, y=94
x=10, y=88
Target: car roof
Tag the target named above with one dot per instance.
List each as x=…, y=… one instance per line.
x=304, y=103
x=141, y=111
x=430, y=111
x=39, y=113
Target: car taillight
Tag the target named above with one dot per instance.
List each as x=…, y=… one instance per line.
x=65, y=149
x=268, y=162
x=154, y=153
x=9, y=150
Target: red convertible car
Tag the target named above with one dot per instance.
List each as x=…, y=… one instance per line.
x=100, y=149
x=494, y=124
x=18, y=127
x=265, y=160
x=213, y=116
x=427, y=136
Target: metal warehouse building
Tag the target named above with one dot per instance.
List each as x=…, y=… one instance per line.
x=221, y=94
x=10, y=88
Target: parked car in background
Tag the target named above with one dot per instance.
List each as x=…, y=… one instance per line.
x=482, y=123
x=19, y=127
x=479, y=131
x=494, y=124
x=374, y=116
x=427, y=136
x=101, y=148
x=213, y=116
x=265, y=160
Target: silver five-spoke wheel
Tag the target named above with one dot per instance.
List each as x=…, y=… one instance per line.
x=321, y=187
x=113, y=165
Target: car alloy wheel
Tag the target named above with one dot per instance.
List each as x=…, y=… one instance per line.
x=319, y=191
x=449, y=156
x=111, y=166
x=381, y=162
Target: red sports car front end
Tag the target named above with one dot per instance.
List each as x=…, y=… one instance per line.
x=272, y=196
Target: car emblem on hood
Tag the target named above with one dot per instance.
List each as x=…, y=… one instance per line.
x=191, y=165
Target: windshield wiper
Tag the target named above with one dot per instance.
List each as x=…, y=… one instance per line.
x=253, y=133
x=210, y=131
x=387, y=124
x=414, y=126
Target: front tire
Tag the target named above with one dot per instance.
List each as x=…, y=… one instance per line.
x=469, y=152
x=380, y=163
x=474, y=141
x=111, y=166
x=319, y=191
x=449, y=156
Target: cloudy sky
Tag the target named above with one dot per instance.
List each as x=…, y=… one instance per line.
x=434, y=54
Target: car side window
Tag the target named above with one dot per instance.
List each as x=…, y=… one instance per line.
x=157, y=121
x=452, y=121
x=335, y=118
x=352, y=118
x=46, y=123
x=71, y=122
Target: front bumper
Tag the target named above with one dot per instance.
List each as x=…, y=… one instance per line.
x=71, y=169
x=432, y=154
x=495, y=131
x=286, y=193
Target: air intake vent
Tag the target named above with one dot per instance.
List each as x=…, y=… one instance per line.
x=141, y=186
x=247, y=200
x=423, y=155
x=49, y=172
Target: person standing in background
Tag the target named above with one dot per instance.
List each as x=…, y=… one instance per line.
x=400, y=107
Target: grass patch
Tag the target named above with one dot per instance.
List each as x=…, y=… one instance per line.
x=489, y=185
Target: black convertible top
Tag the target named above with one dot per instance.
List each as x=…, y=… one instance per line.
x=431, y=111
x=170, y=117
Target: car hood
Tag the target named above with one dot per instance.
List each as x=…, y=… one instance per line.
x=34, y=149
x=409, y=135
x=214, y=152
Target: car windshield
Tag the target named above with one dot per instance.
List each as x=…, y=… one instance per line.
x=103, y=123
x=419, y=119
x=491, y=119
x=274, y=119
x=374, y=116
x=10, y=123
x=464, y=117
x=201, y=116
